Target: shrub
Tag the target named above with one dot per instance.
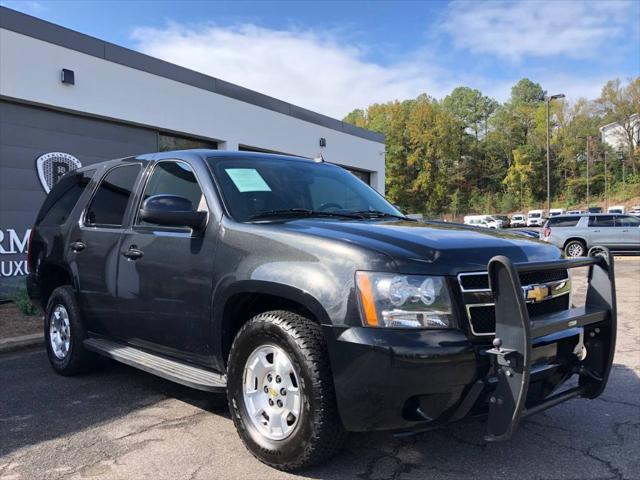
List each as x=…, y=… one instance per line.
x=23, y=302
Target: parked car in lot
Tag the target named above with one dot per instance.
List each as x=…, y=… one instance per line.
x=556, y=211
x=597, y=210
x=518, y=220
x=616, y=209
x=506, y=223
x=535, y=218
x=485, y=221
x=576, y=234
x=575, y=212
x=309, y=300
x=635, y=211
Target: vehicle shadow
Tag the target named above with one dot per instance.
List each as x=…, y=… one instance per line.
x=579, y=439
x=37, y=405
x=589, y=439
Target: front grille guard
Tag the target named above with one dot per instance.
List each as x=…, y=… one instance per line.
x=511, y=353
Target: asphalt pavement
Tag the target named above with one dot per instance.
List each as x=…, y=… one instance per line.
x=122, y=423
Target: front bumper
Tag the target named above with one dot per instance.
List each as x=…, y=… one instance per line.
x=413, y=380
x=380, y=375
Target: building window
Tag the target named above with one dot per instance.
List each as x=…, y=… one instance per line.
x=169, y=142
x=361, y=174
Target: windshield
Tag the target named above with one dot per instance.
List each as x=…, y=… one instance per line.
x=261, y=187
x=535, y=215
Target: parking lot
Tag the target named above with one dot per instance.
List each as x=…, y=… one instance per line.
x=122, y=423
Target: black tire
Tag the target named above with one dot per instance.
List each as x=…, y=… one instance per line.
x=77, y=359
x=318, y=433
x=575, y=248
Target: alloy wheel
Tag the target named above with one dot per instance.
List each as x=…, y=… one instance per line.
x=60, y=331
x=271, y=392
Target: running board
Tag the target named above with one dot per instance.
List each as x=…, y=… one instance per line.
x=178, y=372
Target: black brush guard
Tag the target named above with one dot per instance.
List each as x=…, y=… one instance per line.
x=515, y=333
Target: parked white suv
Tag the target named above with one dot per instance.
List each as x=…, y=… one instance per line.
x=518, y=220
x=535, y=218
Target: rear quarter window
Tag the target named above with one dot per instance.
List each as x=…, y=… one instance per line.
x=563, y=221
x=109, y=204
x=63, y=198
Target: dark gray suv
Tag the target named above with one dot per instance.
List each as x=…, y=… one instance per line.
x=310, y=301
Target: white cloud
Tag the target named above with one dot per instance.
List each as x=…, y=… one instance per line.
x=305, y=68
x=514, y=30
x=322, y=72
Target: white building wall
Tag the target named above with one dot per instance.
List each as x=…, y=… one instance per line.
x=30, y=71
x=614, y=135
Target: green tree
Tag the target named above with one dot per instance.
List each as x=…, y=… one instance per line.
x=621, y=104
x=519, y=175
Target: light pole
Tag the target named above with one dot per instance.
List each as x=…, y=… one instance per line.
x=547, y=101
x=587, y=138
x=606, y=196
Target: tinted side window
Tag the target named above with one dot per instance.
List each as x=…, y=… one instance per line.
x=563, y=221
x=63, y=197
x=175, y=178
x=110, y=201
x=601, y=221
x=627, y=221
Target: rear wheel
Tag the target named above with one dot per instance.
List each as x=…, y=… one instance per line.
x=64, y=334
x=281, y=393
x=575, y=248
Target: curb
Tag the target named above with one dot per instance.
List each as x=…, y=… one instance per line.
x=20, y=342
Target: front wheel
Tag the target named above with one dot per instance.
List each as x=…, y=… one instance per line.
x=281, y=393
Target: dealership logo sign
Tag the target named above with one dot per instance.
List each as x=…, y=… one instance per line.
x=53, y=166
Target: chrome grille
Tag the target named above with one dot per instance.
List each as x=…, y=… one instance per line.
x=479, y=281
x=483, y=316
x=479, y=304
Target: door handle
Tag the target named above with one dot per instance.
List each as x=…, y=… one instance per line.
x=77, y=246
x=133, y=253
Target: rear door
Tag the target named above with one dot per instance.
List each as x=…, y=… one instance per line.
x=92, y=251
x=165, y=294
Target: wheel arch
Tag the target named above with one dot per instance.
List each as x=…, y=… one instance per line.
x=52, y=276
x=574, y=238
x=243, y=300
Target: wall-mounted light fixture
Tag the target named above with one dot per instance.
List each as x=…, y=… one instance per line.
x=323, y=142
x=67, y=76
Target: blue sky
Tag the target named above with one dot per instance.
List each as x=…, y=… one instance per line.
x=335, y=56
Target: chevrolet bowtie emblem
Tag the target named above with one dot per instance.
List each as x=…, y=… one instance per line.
x=537, y=293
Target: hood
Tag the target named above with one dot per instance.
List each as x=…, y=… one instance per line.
x=429, y=247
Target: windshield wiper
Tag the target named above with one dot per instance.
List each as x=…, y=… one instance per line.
x=303, y=212
x=379, y=214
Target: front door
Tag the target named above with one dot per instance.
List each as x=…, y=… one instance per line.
x=628, y=228
x=93, y=249
x=165, y=291
x=602, y=231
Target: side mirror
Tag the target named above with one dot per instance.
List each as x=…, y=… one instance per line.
x=172, y=211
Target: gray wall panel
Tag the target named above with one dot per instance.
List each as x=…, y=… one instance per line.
x=27, y=132
x=75, y=144
x=35, y=117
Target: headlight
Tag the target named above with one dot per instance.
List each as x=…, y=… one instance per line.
x=414, y=301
